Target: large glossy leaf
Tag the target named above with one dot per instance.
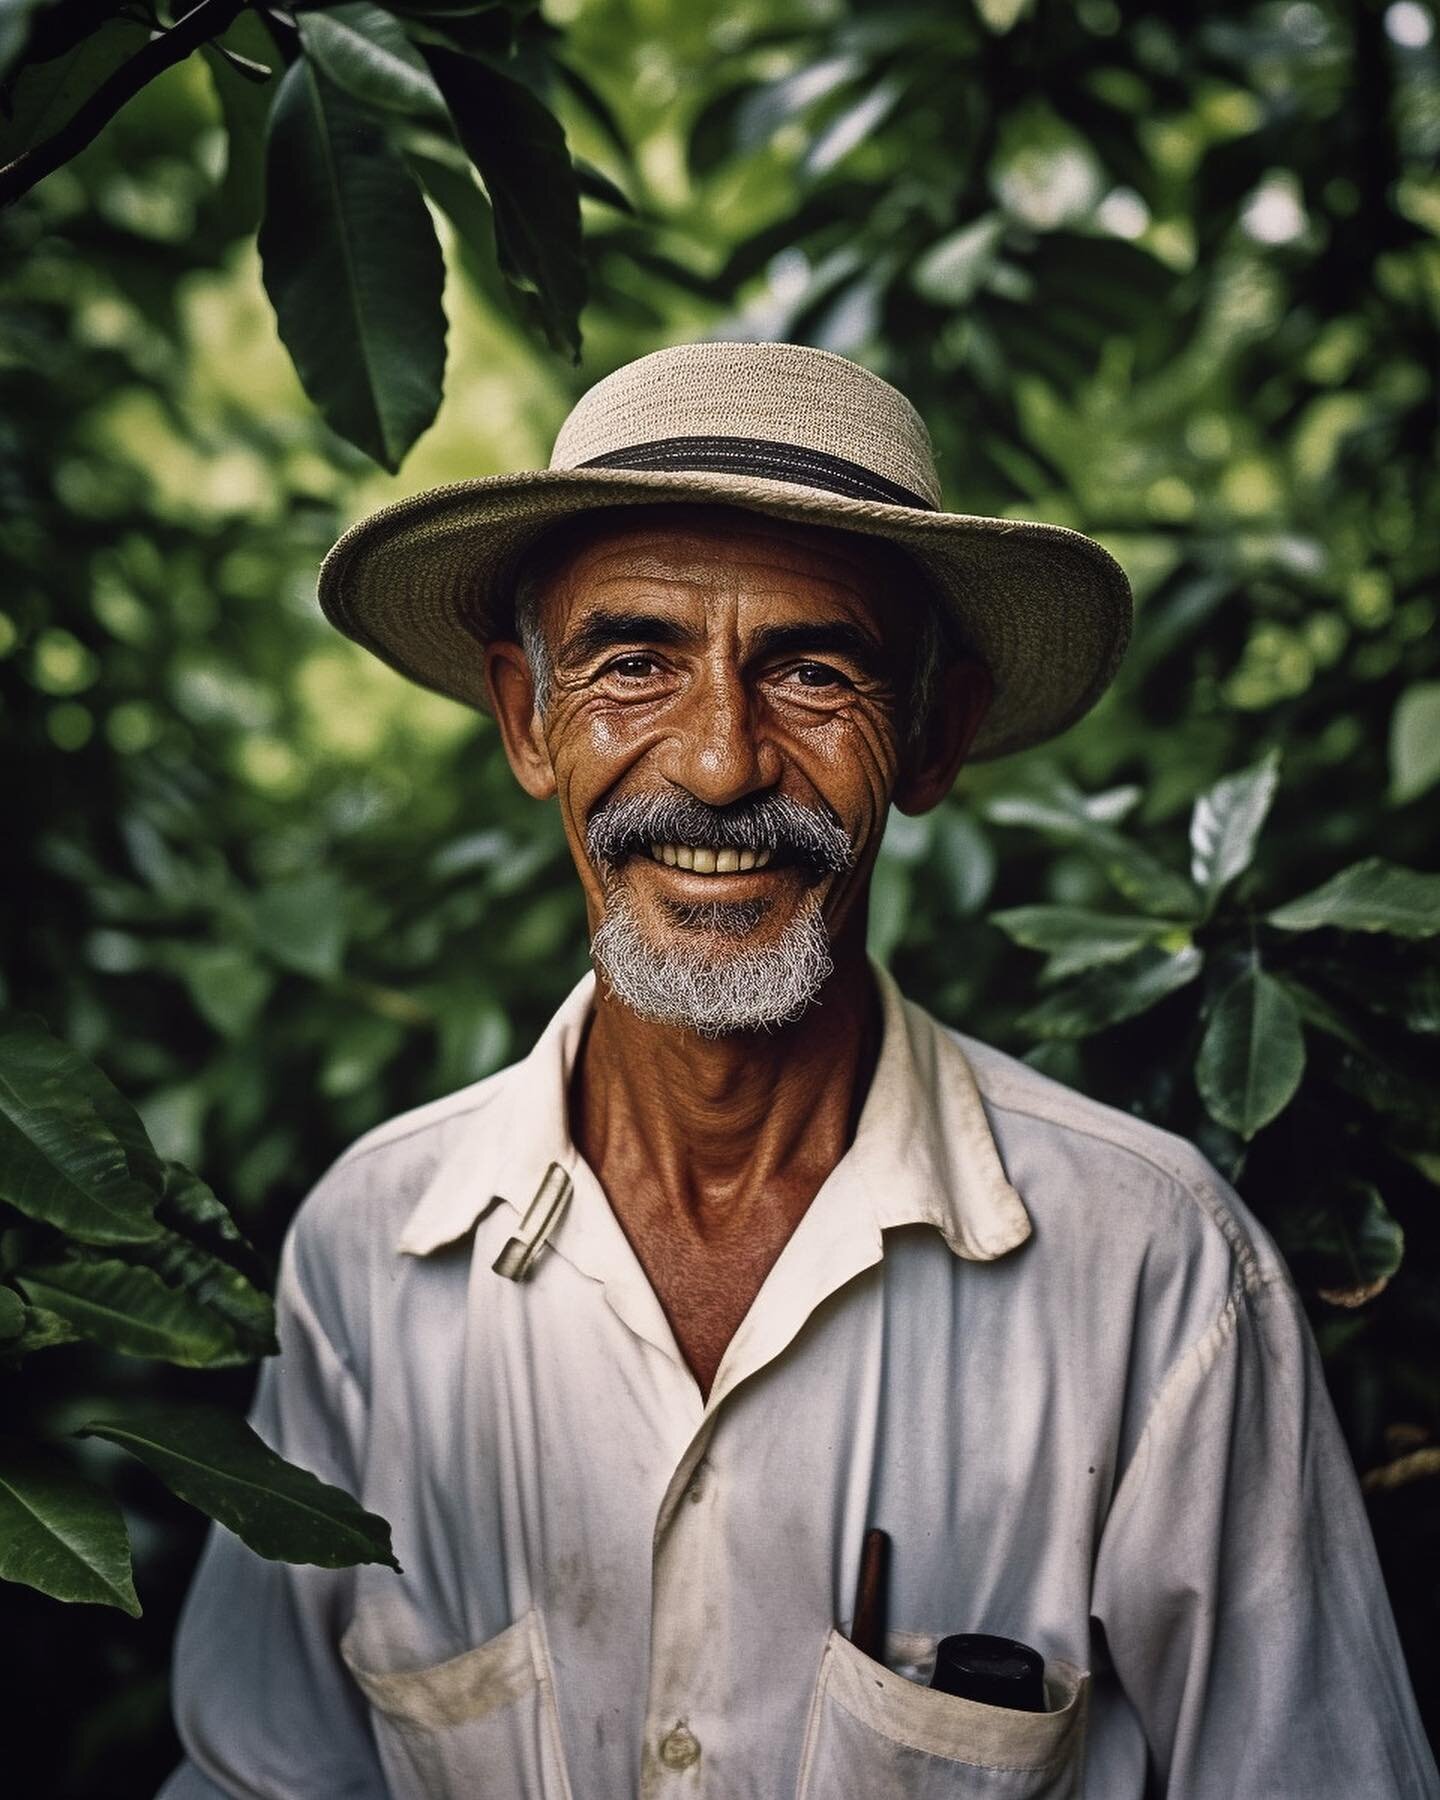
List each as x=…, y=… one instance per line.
x=1075, y=938
x=1252, y=1056
x=1112, y=993
x=352, y=267
x=60, y=1533
x=519, y=148
x=131, y=1309
x=364, y=49
x=246, y=1313
x=214, y=1460
x=73, y=1152
x=1373, y=895
x=1225, y=826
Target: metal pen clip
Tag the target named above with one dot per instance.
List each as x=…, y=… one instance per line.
x=542, y=1215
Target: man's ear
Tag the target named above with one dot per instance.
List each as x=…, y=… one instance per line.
x=929, y=767
x=512, y=697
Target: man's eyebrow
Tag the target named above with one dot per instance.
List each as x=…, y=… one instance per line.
x=606, y=630
x=823, y=637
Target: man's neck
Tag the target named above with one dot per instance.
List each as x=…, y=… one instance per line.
x=710, y=1149
x=726, y=1127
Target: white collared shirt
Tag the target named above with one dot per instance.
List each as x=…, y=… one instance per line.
x=1039, y=1343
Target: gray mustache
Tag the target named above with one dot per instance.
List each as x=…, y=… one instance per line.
x=768, y=822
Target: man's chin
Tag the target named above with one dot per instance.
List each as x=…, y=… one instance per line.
x=715, y=967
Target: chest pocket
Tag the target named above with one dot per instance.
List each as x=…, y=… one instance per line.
x=874, y=1733
x=481, y=1724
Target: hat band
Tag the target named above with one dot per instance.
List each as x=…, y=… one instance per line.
x=759, y=456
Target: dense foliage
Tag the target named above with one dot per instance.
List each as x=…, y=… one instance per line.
x=1169, y=275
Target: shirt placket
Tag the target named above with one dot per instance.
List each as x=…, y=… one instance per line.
x=693, y=1564
x=687, y=1582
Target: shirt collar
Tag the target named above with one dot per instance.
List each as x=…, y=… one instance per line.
x=923, y=1151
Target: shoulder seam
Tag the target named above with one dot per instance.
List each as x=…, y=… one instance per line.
x=1240, y=1247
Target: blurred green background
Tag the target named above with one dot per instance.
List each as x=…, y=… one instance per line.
x=1169, y=275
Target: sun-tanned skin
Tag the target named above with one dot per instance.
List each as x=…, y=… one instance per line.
x=725, y=655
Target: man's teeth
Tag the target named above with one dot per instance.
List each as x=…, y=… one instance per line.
x=709, y=862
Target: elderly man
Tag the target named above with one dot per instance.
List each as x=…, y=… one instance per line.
x=637, y=1344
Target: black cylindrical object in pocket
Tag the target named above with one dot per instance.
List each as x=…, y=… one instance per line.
x=994, y=1670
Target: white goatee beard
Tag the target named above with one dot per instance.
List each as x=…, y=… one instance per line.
x=716, y=985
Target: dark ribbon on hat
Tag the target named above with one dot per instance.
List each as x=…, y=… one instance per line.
x=759, y=456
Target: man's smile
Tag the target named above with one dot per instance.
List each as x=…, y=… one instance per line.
x=702, y=860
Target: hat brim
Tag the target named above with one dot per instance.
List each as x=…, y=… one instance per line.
x=422, y=582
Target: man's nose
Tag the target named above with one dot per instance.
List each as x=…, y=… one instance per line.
x=720, y=749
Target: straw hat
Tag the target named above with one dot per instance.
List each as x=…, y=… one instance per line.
x=779, y=429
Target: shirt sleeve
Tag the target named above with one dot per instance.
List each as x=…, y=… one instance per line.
x=1238, y=1586
x=263, y=1704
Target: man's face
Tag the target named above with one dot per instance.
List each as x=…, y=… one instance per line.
x=724, y=732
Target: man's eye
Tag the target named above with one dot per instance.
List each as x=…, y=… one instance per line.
x=632, y=668
x=817, y=675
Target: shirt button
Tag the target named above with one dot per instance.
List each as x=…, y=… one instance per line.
x=679, y=1749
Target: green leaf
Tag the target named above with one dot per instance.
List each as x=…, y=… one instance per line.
x=228, y=985
x=444, y=171
x=205, y=1253
x=1415, y=742
x=245, y=107
x=951, y=272
x=59, y=1533
x=598, y=186
x=43, y=1331
x=12, y=1313
x=217, y=1288
x=73, y=1152
x=130, y=1309
x=1001, y=15
x=352, y=267
x=1373, y=895
x=301, y=923
x=1075, y=939
x=213, y=1460
x=1410, y=996
x=364, y=50
x=890, y=891
x=46, y=95
x=14, y=30
x=1252, y=1055
x=1347, y=1249
x=1112, y=993
x=519, y=148
x=963, y=858
x=1315, y=1009
x=1063, y=814
x=190, y=1206
x=1225, y=826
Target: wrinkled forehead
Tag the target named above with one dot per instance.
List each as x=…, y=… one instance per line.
x=700, y=548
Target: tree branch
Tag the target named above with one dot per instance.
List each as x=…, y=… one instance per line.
x=203, y=22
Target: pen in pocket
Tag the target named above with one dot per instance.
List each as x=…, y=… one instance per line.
x=973, y=1665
